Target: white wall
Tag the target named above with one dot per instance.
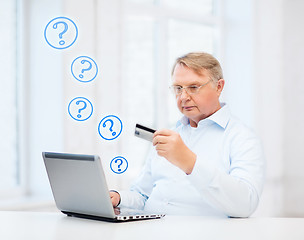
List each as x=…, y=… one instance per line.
x=278, y=55
x=268, y=100
x=293, y=136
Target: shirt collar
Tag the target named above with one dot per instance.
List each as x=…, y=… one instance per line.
x=221, y=117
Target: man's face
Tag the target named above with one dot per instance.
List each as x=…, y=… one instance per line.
x=201, y=104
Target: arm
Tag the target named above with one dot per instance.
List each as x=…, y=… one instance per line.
x=236, y=192
x=140, y=189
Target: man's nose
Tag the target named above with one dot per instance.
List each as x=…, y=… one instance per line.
x=184, y=95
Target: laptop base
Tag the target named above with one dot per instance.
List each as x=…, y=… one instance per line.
x=117, y=219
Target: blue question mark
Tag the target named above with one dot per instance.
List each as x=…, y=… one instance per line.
x=112, y=123
x=84, y=107
x=120, y=163
x=85, y=69
x=61, y=42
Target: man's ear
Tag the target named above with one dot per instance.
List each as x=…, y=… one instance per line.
x=220, y=86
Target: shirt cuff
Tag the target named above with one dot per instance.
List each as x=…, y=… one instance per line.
x=132, y=199
x=125, y=198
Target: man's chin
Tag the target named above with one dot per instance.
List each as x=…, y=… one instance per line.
x=190, y=114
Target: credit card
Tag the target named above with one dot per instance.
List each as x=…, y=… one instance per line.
x=144, y=132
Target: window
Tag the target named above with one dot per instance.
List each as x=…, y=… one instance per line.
x=9, y=164
x=154, y=34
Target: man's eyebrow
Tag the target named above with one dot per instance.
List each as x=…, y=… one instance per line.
x=191, y=84
x=195, y=83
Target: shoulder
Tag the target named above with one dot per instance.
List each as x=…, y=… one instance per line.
x=240, y=134
x=243, y=142
x=236, y=127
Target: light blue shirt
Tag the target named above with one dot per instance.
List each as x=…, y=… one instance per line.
x=227, y=178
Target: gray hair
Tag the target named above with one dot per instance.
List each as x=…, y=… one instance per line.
x=199, y=61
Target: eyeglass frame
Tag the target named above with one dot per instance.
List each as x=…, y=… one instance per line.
x=185, y=88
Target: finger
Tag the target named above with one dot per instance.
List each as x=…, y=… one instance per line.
x=161, y=147
x=114, y=201
x=164, y=132
x=159, y=139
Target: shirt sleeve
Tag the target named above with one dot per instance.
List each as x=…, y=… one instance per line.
x=140, y=189
x=236, y=192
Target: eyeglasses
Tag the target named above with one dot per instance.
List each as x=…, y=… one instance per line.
x=193, y=89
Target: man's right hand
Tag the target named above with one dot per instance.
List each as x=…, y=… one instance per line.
x=115, y=198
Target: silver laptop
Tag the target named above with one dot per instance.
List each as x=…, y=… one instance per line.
x=79, y=188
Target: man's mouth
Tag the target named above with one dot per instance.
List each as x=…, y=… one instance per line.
x=188, y=108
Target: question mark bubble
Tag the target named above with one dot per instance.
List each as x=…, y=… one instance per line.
x=84, y=69
x=119, y=165
x=61, y=33
x=80, y=109
x=110, y=127
x=61, y=42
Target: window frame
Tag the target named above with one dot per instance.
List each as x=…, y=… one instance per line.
x=162, y=14
x=18, y=189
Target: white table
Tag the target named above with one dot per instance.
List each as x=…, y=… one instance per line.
x=44, y=226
